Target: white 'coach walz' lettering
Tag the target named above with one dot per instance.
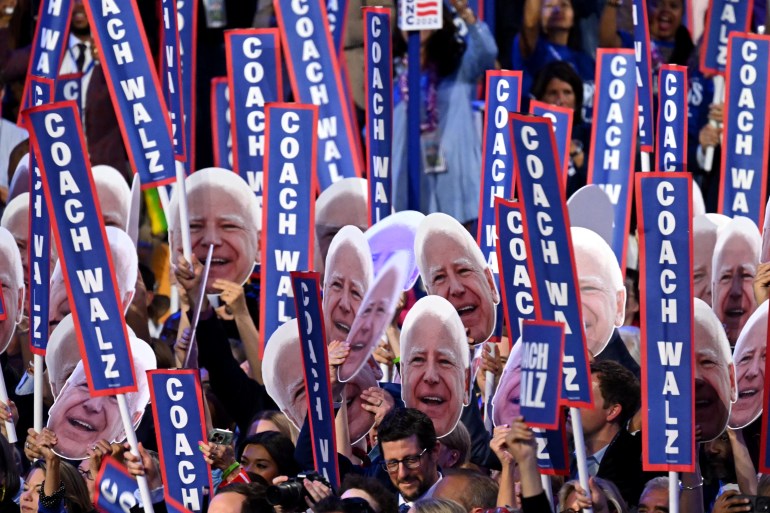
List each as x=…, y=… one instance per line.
x=558, y=292
x=669, y=352
x=90, y=280
x=727, y=18
x=133, y=89
x=229, y=143
x=254, y=74
x=380, y=163
x=312, y=381
x=500, y=149
x=319, y=95
x=525, y=304
x=38, y=243
x=669, y=146
x=287, y=261
x=170, y=64
x=742, y=142
x=182, y=447
x=535, y=355
x=49, y=40
x=615, y=123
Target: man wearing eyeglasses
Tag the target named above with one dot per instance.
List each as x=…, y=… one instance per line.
x=409, y=449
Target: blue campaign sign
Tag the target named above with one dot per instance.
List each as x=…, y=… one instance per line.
x=561, y=120
x=177, y=409
x=315, y=362
x=133, y=84
x=288, y=210
x=746, y=135
x=336, y=14
x=254, y=79
x=643, y=73
x=378, y=82
x=503, y=96
x=549, y=245
x=665, y=259
x=515, y=281
x=552, y=448
x=671, y=143
x=39, y=245
x=722, y=18
x=316, y=79
x=187, y=23
x=69, y=87
x=57, y=139
x=171, y=75
x=114, y=488
x=613, y=138
x=541, y=362
x=220, y=123
x=48, y=45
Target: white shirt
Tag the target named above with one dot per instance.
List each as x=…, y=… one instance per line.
x=69, y=66
x=426, y=495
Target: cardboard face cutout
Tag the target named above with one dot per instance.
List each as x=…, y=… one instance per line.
x=453, y=267
x=11, y=278
x=394, y=234
x=591, y=208
x=749, y=358
x=374, y=315
x=222, y=211
x=435, y=364
x=734, y=265
x=505, y=403
x=602, y=291
x=715, y=388
x=285, y=382
x=80, y=420
x=346, y=282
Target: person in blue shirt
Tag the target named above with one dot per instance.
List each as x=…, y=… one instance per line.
x=549, y=33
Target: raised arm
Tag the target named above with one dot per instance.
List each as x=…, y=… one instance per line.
x=608, y=25
x=530, y=27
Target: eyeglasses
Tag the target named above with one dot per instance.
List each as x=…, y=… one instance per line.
x=411, y=462
x=86, y=474
x=569, y=510
x=356, y=505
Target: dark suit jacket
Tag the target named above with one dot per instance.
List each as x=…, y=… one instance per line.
x=617, y=352
x=622, y=464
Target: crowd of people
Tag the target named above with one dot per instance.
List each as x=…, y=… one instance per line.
x=409, y=304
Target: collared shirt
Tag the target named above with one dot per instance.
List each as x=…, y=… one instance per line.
x=594, y=460
x=426, y=495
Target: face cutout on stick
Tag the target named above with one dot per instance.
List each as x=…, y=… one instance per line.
x=435, y=362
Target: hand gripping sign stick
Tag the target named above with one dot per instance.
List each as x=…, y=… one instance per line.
x=201, y=295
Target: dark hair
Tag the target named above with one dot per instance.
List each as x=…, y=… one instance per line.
x=618, y=386
x=277, y=446
x=386, y=501
x=255, y=496
x=444, y=48
x=478, y=491
x=76, y=497
x=9, y=473
x=402, y=423
x=564, y=72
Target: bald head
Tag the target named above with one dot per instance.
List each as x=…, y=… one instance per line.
x=602, y=292
x=12, y=279
x=16, y=220
x=435, y=362
x=704, y=238
x=114, y=195
x=715, y=383
x=284, y=380
x=453, y=267
x=343, y=203
x=223, y=212
x=734, y=266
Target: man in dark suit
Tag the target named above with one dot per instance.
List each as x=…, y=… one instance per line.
x=612, y=452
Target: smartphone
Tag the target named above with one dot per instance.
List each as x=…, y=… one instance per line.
x=221, y=436
x=758, y=504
